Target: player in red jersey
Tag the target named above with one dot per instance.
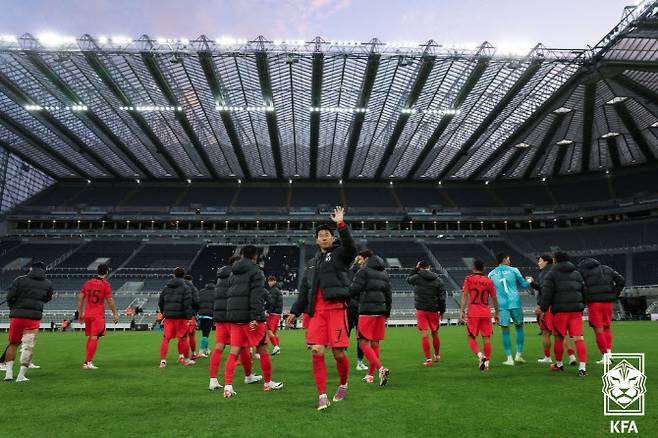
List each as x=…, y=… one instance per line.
x=478, y=291
x=94, y=293
x=325, y=301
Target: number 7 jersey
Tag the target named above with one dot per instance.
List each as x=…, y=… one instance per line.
x=507, y=281
x=95, y=291
x=479, y=288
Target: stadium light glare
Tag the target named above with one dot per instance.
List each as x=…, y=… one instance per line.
x=8, y=38
x=616, y=99
x=189, y=181
x=486, y=183
x=289, y=181
x=564, y=142
x=513, y=48
x=239, y=181
x=138, y=181
x=654, y=125
x=562, y=110
x=610, y=134
x=88, y=181
x=340, y=181
x=522, y=145
x=52, y=39
x=333, y=109
x=121, y=40
x=442, y=112
x=543, y=179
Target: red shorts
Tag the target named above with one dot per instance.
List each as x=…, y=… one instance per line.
x=243, y=336
x=94, y=326
x=222, y=333
x=479, y=325
x=19, y=325
x=600, y=314
x=328, y=327
x=306, y=320
x=176, y=328
x=372, y=327
x=546, y=321
x=571, y=322
x=273, y=320
x=427, y=320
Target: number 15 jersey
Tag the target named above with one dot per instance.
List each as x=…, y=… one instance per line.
x=95, y=291
x=479, y=287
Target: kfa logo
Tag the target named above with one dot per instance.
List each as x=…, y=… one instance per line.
x=623, y=426
x=624, y=385
x=328, y=258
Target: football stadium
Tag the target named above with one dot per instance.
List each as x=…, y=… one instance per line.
x=248, y=236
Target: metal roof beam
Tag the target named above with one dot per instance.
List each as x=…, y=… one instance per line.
x=316, y=101
x=589, y=102
x=544, y=145
x=14, y=150
x=634, y=130
x=613, y=151
x=357, y=122
x=270, y=116
x=472, y=80
x=424, y=71
x=158, y=77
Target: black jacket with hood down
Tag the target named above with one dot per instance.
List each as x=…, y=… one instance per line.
x=176, y=300
x=28, y=293
x=373, y=288
x=536, y=285
x=207, y=300
x=247, y=296
x=429, y=291
x=604, y=284
x=221, y=294
x=275, y=300
x=563, y=289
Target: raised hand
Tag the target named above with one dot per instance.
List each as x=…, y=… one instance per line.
x=338, y=215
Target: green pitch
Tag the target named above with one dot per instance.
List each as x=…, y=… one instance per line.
x=130, y=396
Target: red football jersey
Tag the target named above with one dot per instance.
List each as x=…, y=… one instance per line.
x=479, y=288
x=95, y=291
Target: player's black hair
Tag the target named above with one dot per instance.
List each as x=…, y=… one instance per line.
x=38, y=264
x=271, y=278
x=424, y=265
x=561, y=256
x=249, y=252
x=103, y=269
x=365, y=253
x=323, y=227
x=188, y=277
x=179, y=272
x=547, y=258
x=500, y=257
x=478, y=265
x=232, y=260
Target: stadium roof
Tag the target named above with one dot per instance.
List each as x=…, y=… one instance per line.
x=102, y=108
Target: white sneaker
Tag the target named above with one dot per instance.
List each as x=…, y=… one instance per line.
x=3, y=367
x=276, y=350
x=252, y=378
x=573, y=360
x=519, y=358
x=360, y=366
x=33, y=366
x=509, y=362
x=163, y=364
x=189, y=362
x=604, y=360
x=214, y=384
x=228, y=391
x=545, y=360
x=22, y=379
x=368, y=378
x=272, y=386
x=257, y=356
x=89, y=366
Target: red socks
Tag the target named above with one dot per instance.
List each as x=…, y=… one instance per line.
x=229, y=369
x=320, y=373
x=215, y=360
x=487, y=349
x=558, y=348
x=570, y=351
x=92, y=345
x=164, y=347
x=472, y=343
x=608, y=337
x=275, y=340
x=266, y=366
x=547, y=352
x=437, y=343
x=582, y=351
x=192, y=339
x=343, y=367
x=184, y=347
x=373, y=360
x=245, y=360
x=601, y=342
x=426, y=347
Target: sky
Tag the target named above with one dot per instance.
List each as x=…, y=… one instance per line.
x=555, y=23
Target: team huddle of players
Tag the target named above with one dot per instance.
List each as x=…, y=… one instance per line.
x=340, y=289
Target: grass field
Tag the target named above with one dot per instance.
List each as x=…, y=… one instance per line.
x=129, y=395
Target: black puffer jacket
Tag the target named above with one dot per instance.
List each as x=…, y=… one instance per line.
x=207, y=300
x=247, y=296
x=563, y=289
x=353, y=306
x=28, y=293
x=276, y=300
x=176, y=300
x=373, y=287
x=221, y=294
x=603, y=283
x=195, y=295
x=328, y=271
x=536, y=285
x=429, y=291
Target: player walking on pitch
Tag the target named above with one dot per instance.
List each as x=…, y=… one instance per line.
x=274, y=311
x=94, y=294
x=479, y=291
x=326, y=303
x=175, y=303
x=507, y=280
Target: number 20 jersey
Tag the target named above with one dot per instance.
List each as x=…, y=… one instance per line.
x=95, y=291
x=479, y=288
